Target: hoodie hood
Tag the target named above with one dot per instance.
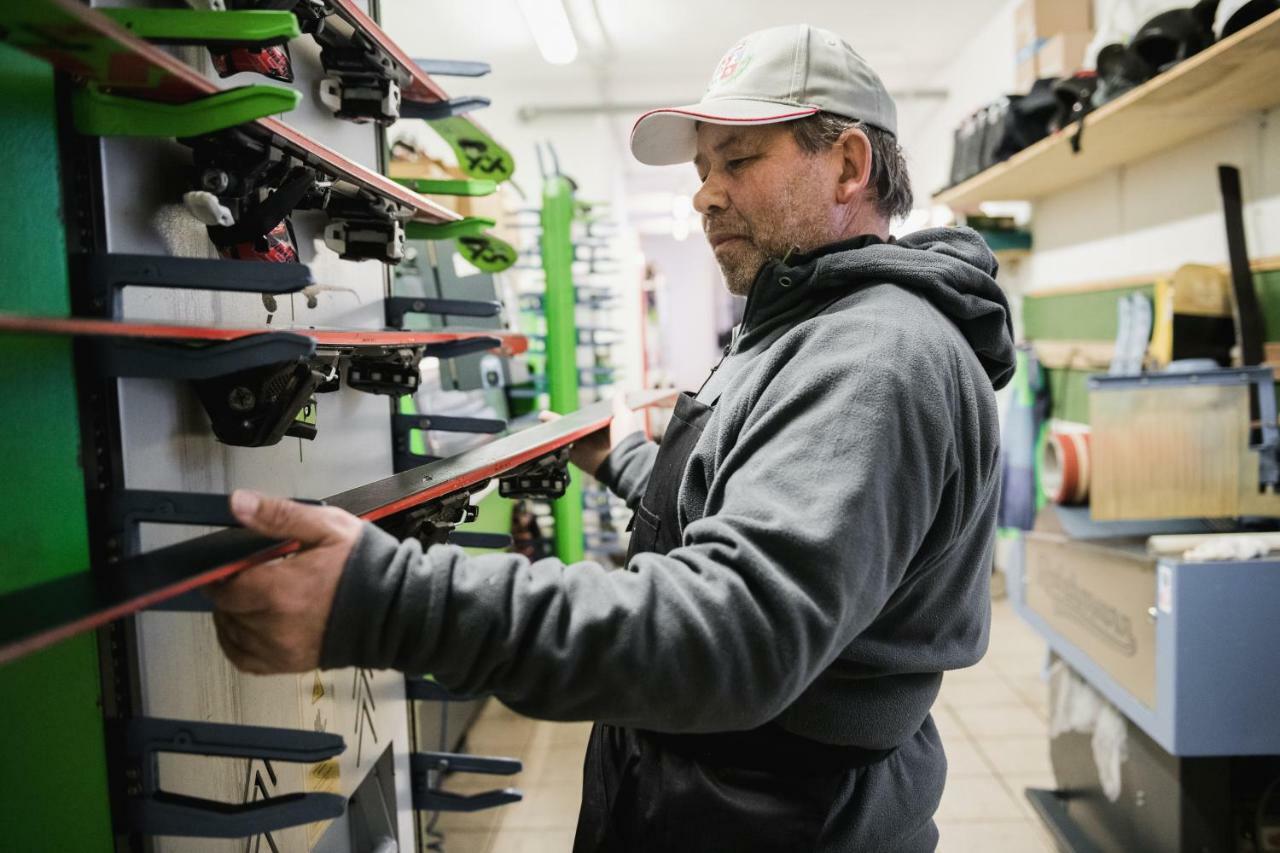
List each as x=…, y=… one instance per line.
x=950, y=267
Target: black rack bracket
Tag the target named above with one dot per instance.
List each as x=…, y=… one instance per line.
x=154, y=811
x=420, y=688
x=402, y=425
x=442, y=109
x=106, y=276
x=134, y=357
x=126, y=509
x=453, y=67
x=426, y=768
x=398, y=306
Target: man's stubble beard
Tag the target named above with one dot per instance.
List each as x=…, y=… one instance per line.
x=793, y=229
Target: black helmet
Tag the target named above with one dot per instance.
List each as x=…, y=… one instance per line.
x=1234, y=15
x=1075, y=98
x=1027, y=120
x=1175, y=35
x=1119, y=70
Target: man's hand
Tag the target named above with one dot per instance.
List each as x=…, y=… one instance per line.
x=271, y=618
x=590, y=451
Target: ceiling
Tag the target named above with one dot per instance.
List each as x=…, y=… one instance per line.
x=628, y=47
x=638, y=55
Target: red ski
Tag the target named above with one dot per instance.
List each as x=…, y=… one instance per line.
x=340, y=340
x=528, y=462
x=260, y=385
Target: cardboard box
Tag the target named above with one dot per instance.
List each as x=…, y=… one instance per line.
x=1099, y=598
x=1039, y=20
x=1057, y=56
x=1062, y=55
x=1025, y=75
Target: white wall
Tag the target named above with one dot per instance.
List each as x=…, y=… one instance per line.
x=1147, y=218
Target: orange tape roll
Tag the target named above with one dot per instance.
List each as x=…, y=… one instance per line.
x=1064, y=468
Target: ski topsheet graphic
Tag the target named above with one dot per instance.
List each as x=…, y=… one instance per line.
x=418, y=502
x=253, y=169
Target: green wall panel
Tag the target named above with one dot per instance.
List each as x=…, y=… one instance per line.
x=1268, y=287
x=54, y=772
x=1089, y=316
x=1069, y=394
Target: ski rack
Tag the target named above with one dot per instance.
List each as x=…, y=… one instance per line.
x=127, y=509
x=403, y=424
x=150, y=810
x=426, y=768
x=370, y=71
x=37, y=616
x=105, y=276
x=421, y=688
x=396, y=307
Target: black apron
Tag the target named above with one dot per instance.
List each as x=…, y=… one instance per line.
x=757, y=791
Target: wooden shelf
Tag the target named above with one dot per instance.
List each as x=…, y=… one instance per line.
x=1231, y=79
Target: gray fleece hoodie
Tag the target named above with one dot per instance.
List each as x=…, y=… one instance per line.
x=838, y=517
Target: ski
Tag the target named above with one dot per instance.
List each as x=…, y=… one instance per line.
x=259, y=385
x=372, y=79
x=253, y=169
x=425, y=501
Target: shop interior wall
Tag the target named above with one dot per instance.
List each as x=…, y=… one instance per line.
x=1130, y=225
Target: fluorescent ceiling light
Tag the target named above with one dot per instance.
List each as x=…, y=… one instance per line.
x=549, y=24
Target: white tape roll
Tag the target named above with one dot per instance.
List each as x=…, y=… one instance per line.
x=1064, y=467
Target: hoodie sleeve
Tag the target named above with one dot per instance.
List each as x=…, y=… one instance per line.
x=625, y=471
x=830, y=474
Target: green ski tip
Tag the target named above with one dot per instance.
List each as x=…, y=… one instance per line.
x=436, y=186
x=487, y=253
x=205, y=27
x=479, y=156
x=472, y=226
x=99, y=114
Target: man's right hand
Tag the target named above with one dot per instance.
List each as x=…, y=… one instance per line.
x=590, y=451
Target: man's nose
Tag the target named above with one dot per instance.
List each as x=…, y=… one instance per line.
x=710, y=198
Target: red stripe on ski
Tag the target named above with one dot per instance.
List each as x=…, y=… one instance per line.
x=512, y=342
x=592, y=418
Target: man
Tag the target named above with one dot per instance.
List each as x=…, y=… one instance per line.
x=812, y=540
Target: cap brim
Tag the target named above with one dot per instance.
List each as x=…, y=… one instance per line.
x=670, y=135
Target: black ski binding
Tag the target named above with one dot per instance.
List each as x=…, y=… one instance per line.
x=543, y=479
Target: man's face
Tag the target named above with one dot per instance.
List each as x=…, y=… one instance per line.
x=761, y=197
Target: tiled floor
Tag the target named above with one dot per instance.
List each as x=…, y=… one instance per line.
x=992, y=718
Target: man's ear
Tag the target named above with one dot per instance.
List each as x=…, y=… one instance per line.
x=854, y=149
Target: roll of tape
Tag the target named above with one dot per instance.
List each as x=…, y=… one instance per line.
x=1064, y=468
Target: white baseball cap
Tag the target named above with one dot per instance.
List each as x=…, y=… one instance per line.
x=774, y=75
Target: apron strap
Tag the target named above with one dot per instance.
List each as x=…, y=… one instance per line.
x=730, y=365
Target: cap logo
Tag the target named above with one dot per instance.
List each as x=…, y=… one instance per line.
x=732, y=65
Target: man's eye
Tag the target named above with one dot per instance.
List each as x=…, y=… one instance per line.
x=737, y=163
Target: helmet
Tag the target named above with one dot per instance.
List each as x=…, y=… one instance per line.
x=1026, y=121
x=1119, y=70
x=1234, y=15
x=1075, y=98
x=1175, y=35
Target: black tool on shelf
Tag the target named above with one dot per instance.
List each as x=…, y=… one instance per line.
x=150, y=810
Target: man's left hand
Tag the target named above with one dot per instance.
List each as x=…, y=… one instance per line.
x=271, y=618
